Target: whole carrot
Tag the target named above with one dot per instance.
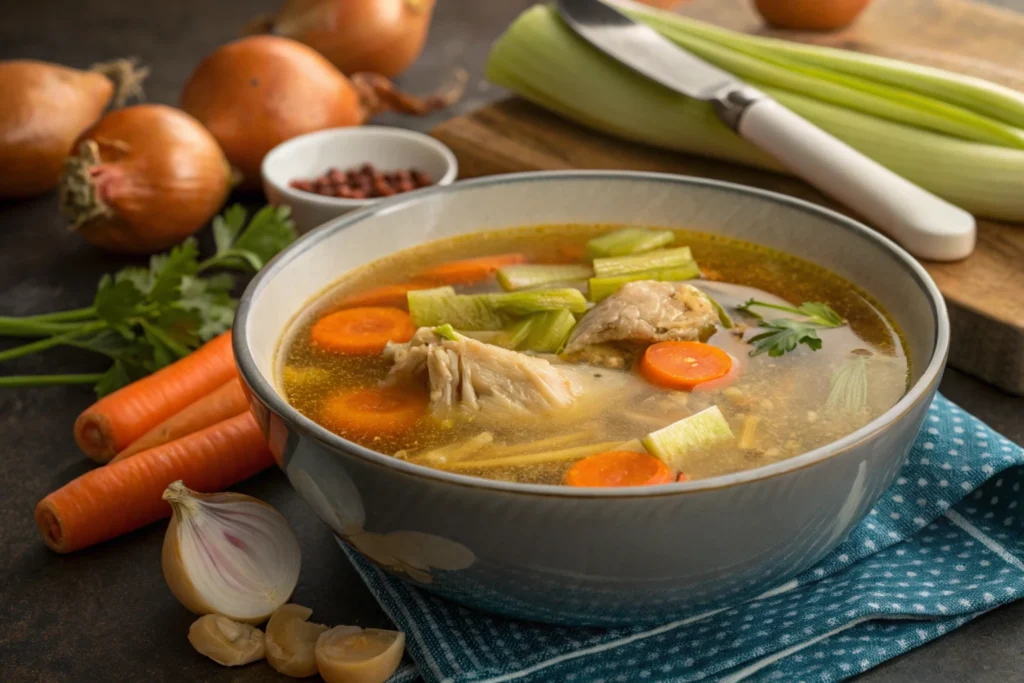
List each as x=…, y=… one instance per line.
x=226, y=401
x=115, y=421
x=113, y=500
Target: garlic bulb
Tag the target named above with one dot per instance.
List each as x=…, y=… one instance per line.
x=348, y=654
x=229, y=554
x=291, y=641
x=226, y=642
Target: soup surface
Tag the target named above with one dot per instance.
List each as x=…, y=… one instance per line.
x=551, y=384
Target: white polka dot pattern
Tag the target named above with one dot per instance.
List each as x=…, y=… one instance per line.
x=942, y=546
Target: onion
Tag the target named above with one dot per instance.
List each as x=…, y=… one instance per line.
x=142, y=179
x=257, y=92
x=381, y=36
x=810, y=15
x=229, y=554
x=45, y=107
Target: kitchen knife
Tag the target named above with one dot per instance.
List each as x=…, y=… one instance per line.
x=927, y=226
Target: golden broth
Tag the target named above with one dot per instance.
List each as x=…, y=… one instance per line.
x=784, y=396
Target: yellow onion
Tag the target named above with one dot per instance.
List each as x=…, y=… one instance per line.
x=226, y=642
x=381, y=36
x=810, y=15
x=143, y=179
x=229, y=554
x=291, y=641
x=257, y=92
x=349, y=654
x=45, y=108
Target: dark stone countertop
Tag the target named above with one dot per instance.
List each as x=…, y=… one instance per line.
x=105, y=613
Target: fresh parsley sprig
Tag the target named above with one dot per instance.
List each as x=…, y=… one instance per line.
x=783, y=335
x=146, y=318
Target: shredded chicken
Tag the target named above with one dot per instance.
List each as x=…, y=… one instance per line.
x=640, y=313
x=470, y=375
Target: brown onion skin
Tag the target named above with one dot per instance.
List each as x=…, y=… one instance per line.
x=44, y=108
x=810, y=15
x=162, y=174
x=259, y=91
x=381, y=36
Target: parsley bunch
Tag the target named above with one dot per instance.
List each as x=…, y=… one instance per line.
x=785, y=334
x=146, y=318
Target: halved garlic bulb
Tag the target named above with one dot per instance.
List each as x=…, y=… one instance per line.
x=291, y=639
x=348, y=654
x=229, y=554
x=226, y=642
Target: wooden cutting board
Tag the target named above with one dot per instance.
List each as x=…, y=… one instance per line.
x=985, y=293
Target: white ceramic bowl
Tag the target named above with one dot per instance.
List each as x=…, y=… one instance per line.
x=629, y=555
x=310, y=155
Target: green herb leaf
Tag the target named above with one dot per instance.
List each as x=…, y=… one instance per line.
x=784, y=336
x=227, y=226
x=269, y=231
x=116, y=300
x=168, y=271
x=821, y=313
x=113, y=379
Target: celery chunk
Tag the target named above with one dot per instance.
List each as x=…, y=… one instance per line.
x=523, y=276
x=652, y=260
x=696, y=432
x=603, y=287
x=628, y=241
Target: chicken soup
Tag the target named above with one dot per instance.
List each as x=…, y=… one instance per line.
x=593, y=355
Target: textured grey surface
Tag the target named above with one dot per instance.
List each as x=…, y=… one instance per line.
x=105, y=614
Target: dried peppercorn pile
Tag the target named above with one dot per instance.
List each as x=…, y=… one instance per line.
x=364, y=182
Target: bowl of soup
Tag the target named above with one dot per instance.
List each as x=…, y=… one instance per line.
x=595, y=398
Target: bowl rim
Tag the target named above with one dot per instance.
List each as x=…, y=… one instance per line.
x=412, y=136
x=264, y=390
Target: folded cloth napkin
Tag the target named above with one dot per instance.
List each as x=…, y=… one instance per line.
x=942, y=546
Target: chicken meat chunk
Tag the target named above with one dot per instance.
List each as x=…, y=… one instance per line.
x=639, y=314
x=468, y=375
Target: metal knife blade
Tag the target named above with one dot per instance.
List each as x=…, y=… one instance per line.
x=645, y=51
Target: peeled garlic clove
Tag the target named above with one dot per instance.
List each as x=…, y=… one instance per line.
x=291, y=641
x=226, y=642
x=347, y=654
x=229, y=554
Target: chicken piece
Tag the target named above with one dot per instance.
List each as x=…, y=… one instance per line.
x=470, y=375
x=639, y=314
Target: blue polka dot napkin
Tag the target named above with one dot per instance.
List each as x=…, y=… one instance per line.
x=942, y=546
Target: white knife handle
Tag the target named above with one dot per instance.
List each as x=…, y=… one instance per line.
x=927, y=226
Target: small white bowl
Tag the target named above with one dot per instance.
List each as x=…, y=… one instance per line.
x=309, y=156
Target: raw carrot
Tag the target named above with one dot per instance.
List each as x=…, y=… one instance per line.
x=468, y=271
x=111, y=424
x=227, y=401
x=683, y=365
x=618, y=468
x=364, y=330
x=113, y=500
x=395, y=296
x=374, y=411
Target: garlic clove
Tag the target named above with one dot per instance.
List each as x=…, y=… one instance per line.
x=229, y=554
x=347, y=654
x=226, y=642
x=291, y=641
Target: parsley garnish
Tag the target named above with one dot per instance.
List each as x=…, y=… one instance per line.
x=783, y=335
x=146, y=318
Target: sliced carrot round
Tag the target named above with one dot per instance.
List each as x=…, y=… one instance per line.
x=618, y=468
x=683, y=365
x=374, y=411
x=365, y=330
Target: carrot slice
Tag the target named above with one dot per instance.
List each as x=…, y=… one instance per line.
x=683, y=365
x=618, y=468
x=111, y=424
x=468, y=271
x=365, y=330
x=113, y=500
x=395, y=296
x=374, y=411
x=227, y=401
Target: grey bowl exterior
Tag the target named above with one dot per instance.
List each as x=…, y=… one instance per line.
x=601, y=556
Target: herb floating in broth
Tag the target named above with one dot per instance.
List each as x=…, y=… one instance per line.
x=514, y=375
x=785, y=334
x=848, y=386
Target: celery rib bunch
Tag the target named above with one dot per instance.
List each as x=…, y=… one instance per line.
x=957, y=136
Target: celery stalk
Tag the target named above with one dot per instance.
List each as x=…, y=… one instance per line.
x=533, y=275
x=592, y=89
x=549, y=331
x=537, y=300
x=603, y=287
x=652, y=260
x=518, y=332
x=697, y=432
x=433, y=307
x=628, y=241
